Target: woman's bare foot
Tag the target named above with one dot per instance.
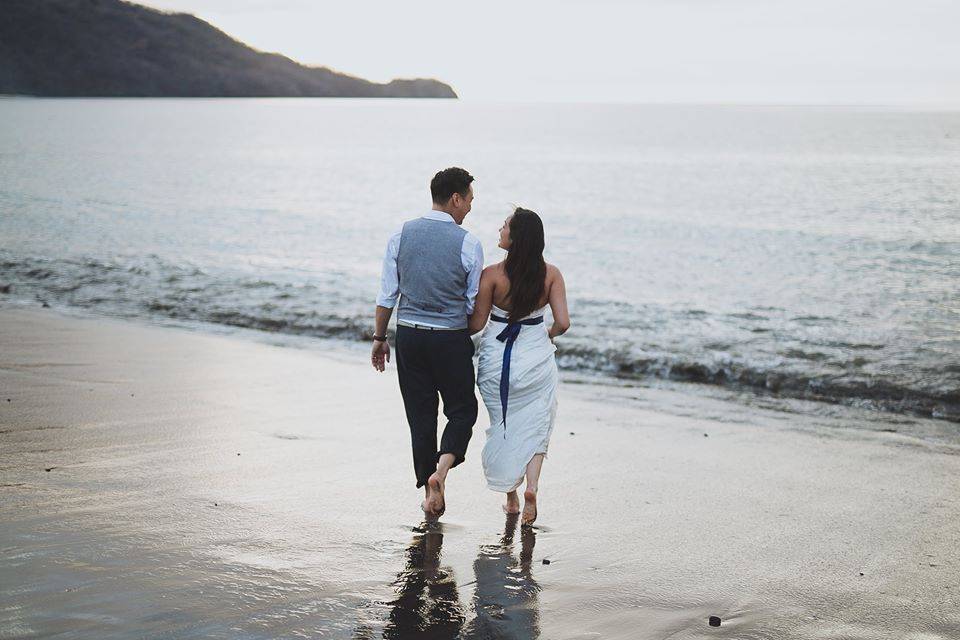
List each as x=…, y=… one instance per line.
x=529, y=507
x=513, y=503
x=437, y=503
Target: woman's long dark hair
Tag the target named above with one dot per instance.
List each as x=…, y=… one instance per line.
x=524, y=265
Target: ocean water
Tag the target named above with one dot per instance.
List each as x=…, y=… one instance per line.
x=798, y=252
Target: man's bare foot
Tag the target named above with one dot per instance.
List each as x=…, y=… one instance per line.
x=427, y=511
x=529, y=508
x=436, y=501
x=513, y=503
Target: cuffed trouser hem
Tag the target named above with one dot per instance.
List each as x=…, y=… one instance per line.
x=458, y=458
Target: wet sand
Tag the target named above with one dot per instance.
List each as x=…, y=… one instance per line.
x=160, y=482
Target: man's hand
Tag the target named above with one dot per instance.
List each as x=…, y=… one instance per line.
x=380, y=354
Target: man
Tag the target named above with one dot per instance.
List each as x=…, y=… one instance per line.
x=433, y=266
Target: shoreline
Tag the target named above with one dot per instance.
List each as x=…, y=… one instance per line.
x=158, y=480
x=693, y=376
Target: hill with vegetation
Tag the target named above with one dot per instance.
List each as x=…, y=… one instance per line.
x=116, y=48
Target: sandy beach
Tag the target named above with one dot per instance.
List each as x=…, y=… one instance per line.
x=166, y=483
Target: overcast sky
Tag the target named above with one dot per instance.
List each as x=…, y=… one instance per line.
x=779, y=51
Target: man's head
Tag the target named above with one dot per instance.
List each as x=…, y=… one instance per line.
x=452, y=193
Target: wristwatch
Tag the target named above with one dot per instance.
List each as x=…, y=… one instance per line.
x=380, y=338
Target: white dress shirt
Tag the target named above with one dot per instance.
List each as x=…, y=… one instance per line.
x=471, y=256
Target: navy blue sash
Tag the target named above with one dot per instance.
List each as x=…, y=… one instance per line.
x=508, y=336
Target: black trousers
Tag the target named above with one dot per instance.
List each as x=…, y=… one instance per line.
x=431, y=363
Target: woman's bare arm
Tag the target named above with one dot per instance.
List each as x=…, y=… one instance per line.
x=483, y=303
x=558, y=305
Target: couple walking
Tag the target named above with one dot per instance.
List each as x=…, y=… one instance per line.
x=433, y=274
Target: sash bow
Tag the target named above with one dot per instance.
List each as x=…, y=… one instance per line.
x=508, y=336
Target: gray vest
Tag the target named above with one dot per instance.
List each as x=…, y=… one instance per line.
x=433, y=282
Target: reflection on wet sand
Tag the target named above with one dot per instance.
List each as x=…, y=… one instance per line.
x=506, y=600
x=505, y=604
x=427, y=603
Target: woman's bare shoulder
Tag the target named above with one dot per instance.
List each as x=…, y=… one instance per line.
x=494, y=270
x=553, y=272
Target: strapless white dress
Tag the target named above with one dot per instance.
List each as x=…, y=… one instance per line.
x=532, y=402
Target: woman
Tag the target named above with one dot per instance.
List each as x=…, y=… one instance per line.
x=517, y=372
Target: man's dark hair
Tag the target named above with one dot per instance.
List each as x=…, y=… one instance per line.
x=448, y=182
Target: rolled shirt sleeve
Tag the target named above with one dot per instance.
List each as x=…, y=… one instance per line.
x=389, y=278
x=471, y=255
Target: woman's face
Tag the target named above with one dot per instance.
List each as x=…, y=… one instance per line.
x=505, y=234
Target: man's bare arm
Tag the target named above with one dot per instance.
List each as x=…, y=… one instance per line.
x=380, y=354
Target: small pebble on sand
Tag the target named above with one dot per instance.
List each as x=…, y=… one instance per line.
x=545, y=561
x=714, y=621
